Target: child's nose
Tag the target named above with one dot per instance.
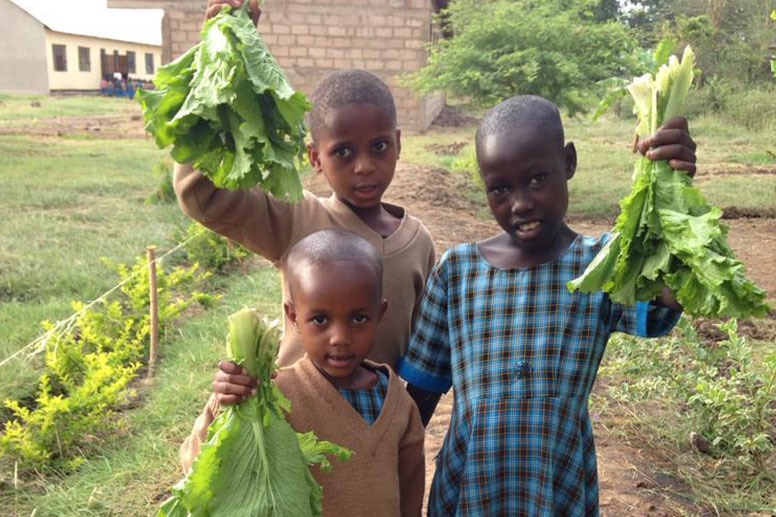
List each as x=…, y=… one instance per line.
x=522, y=202
x=340, y=335
x=364, y=166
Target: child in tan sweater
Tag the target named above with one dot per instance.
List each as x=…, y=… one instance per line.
x=336, y=303
x=355, y=146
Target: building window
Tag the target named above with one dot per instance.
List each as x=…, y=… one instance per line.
x=131, y=69
x=84, y=59
x=149, y=58
x=60, y=58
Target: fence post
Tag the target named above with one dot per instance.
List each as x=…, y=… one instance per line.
x=154, y=333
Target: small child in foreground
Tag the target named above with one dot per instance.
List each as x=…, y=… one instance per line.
x=521, y=352
x=336, y=303
x=355, y=145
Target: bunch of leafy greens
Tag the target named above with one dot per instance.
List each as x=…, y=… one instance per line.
x=667, y=235
x=226, y=107
x=253, y=463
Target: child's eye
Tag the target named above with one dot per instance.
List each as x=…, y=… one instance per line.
x=538, y=179
x=380, y=147
x=319, y=319
x=343, y=152
x=498, y=190
x=360, y=319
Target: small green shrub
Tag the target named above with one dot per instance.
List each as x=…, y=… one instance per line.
x=209, y=249
x=89, y=367
x=722, y=392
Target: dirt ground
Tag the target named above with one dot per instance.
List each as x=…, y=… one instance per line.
x=629, y=485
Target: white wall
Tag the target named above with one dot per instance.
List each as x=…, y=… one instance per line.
x=22, y=46
x=75, y=79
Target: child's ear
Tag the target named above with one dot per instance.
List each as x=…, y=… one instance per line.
x=398, y=142
x=314, y=156
x=290, y=311
x=570, y=153
x=381, y=310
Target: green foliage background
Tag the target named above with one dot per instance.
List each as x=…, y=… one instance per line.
x=571, y=51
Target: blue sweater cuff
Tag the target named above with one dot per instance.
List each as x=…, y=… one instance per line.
x=421, y=379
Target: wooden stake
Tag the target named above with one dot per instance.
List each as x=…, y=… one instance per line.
x=150, y=251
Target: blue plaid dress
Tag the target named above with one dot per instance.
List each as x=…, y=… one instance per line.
x=369, y=403
x=521, y=354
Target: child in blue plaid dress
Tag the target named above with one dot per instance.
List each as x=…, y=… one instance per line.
x=521, y=352
x=336, y=302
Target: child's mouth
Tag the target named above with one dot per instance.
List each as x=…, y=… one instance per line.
x=339, y=361
x=366, y=191
x=528, y=227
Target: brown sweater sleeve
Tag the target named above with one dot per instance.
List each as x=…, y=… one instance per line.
x=191, y=446
x=255, y=219
x=412, y=466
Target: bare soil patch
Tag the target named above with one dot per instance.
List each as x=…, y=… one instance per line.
x=98, y=126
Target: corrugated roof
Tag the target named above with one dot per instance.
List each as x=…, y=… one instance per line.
x=93, y=18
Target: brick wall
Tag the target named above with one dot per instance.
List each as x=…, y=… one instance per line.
x=311, y=38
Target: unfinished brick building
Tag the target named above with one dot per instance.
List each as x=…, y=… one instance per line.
x=311, y=38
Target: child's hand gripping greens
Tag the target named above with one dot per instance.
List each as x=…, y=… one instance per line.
x=215, y=6
x=233, y=384
x=671, y=142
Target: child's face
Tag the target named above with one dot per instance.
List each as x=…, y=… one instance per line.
x=336, y=310
x=357, y=151
x=525, y=177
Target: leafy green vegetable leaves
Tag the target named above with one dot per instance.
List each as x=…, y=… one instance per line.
x=226, y=107
x=667, y=235
x=253, y=464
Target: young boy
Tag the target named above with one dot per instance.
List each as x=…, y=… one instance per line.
x=336, y=303
x=521, y=352
x=355, y=145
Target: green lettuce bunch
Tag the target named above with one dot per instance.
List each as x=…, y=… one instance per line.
x=226, y=107
x=666, y=234
x=253, y=463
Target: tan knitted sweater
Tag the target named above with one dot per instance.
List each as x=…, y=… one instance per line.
x=386, y=475
x=270, y=226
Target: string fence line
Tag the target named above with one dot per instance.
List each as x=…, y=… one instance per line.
x=39, y=344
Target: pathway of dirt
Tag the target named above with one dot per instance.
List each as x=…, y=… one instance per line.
x=629, y=484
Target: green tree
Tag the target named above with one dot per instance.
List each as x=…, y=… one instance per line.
x=500, y=48
x=647, y=17
x=731, y=37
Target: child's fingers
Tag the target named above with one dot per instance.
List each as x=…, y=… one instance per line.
x=679, y=156
x=214, y=7
x=668, y=137
x=228, y=400
x=235, y=374
x=677, y=123
x=232, y=389
x=230, y=367
x=679, y=165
